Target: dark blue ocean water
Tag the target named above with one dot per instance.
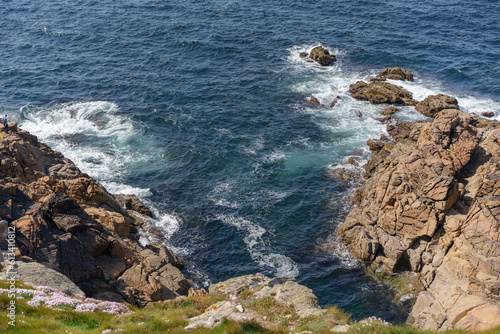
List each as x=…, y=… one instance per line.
x=199, y=109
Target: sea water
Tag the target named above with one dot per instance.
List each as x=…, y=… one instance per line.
x=199, y=108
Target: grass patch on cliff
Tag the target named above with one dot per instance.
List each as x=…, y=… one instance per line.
x=172, y=316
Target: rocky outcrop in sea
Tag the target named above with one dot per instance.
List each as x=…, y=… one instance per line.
x=66, y=221
x=431, y=205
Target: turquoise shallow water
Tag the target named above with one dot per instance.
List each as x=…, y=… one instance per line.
x=199, y=109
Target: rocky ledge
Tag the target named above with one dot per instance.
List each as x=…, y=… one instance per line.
x=431, y=205
x=66, y=221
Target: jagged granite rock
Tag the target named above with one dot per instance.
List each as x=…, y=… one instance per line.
x=68, y=222
x=409, y=193
x=462, y=273
x=431, y=205
x=381, y=92
x=433, y=104
x=132, y=202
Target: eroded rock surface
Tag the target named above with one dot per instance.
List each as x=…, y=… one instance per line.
x=396, y=73
x=381, y=92
x=68, y=222
x=322, y=56
x=431, y=205
x=433, y=104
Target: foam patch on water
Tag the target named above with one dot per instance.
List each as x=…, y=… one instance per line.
x=467, y=103
x=93, y=136
x=279, y=264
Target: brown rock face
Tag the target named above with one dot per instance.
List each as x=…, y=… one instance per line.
x=463, y=278
x=433, y=104
x=409, y=217
x=381, y=92
x=396, y=73
x=67, y=221
x=322, y=56
x=132, y=202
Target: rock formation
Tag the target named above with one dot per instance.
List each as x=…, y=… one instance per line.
x=68, y=222
x=381, y=92
x=254, y=287
x=431, y=205
x=433, y=104
x=322, y=56
x=396, y=73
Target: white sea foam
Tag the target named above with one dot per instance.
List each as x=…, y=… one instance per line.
x=279, y=264
x=93, y=136
x=104, y=145
x=467, y=103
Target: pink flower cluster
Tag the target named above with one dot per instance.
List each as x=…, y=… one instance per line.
x=369, y=321
x=55, y=299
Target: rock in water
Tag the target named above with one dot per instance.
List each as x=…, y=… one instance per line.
x=314, y=101
x=433, y=104
x=322, y=56
x=396, y=73
x=488, y=114
x=389, y=111
x=334, y=102
x=381, y=92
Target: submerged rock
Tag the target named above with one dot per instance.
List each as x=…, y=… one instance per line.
x=334, y=102
x=314, y=101
x=322, y=56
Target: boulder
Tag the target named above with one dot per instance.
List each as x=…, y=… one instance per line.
x=433, y=104
x=132, y=202
x=284, y=290
x=488, y=114
x=217, y=313
x=381, y=92
x=322, y=56
x=303, y=55
x=36, y=274
x=396, y=73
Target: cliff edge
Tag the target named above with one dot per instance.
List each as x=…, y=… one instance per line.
x=67, y=221
x=431, y=205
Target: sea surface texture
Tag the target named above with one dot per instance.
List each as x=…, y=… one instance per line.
x=199, y=108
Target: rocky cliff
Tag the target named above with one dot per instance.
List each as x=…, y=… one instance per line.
x=431, y=205
x=67, y=221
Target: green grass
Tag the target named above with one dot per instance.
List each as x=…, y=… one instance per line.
x=172, y=317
